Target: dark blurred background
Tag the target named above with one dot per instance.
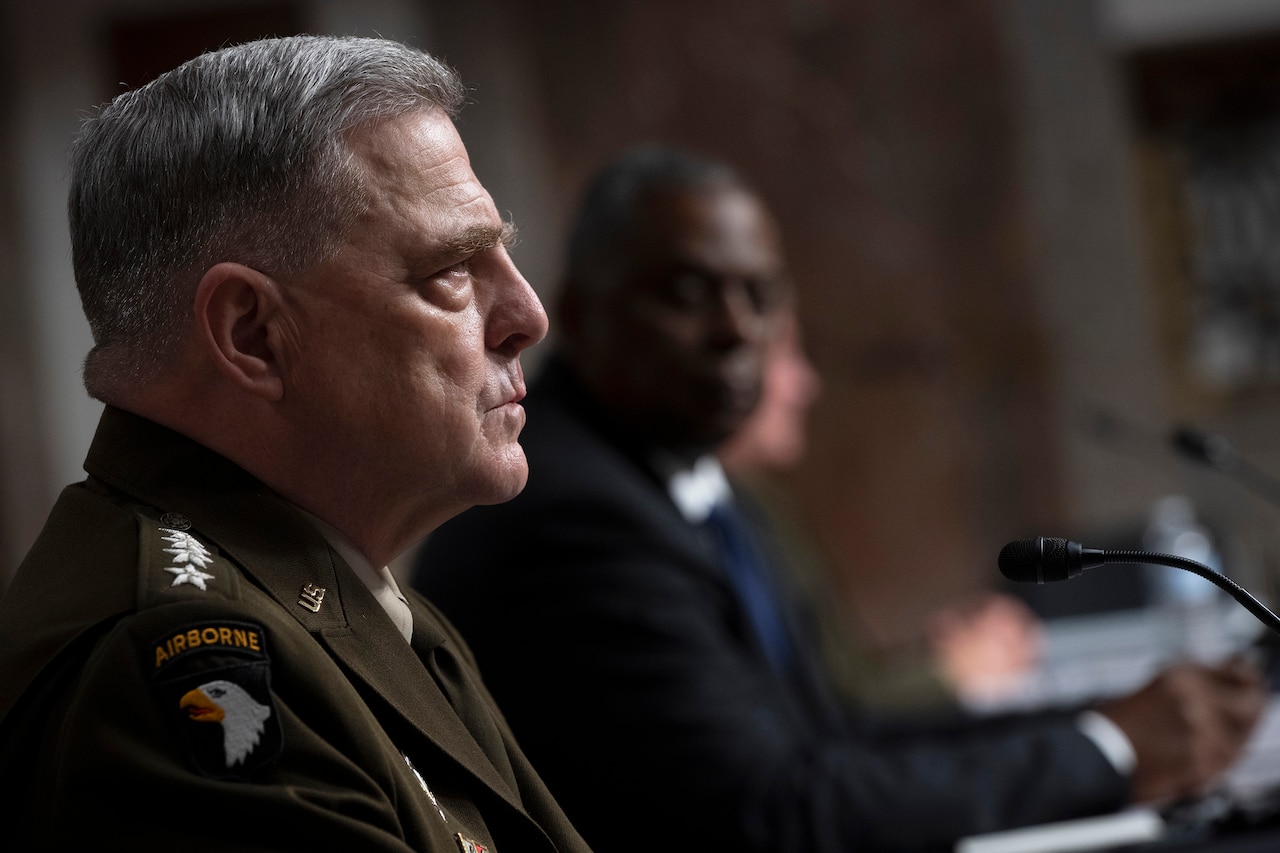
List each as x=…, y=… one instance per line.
x=1030, y=238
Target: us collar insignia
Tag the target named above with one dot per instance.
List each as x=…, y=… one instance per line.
x=311, y=597
x=189, y=558
x=214, y=683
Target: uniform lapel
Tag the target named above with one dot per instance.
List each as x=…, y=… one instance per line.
x=376, y=654
x=283, y=552
x=358, y=633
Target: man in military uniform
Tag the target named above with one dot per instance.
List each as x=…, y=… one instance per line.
x=307, y=332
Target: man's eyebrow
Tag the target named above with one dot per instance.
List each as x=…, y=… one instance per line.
x=477, y=238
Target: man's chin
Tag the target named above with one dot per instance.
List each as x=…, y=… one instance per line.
x=509, y=483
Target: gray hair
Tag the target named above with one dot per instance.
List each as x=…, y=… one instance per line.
x=237, y=155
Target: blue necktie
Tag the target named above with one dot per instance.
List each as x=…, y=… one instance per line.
x=746, y=568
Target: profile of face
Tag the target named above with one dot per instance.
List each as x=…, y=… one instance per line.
x=406, y=344
x=774, y=437
x=680, y=343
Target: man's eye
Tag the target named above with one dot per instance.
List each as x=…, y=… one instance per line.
x=690, y=290
x=449, y=288
x=460, y=268
x=451, y=277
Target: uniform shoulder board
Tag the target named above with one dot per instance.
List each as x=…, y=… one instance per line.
x=175, y=562
x=212, y=677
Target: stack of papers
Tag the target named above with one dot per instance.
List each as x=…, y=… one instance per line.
x=1132, y=826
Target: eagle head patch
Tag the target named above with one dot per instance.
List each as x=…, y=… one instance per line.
x=213, y=681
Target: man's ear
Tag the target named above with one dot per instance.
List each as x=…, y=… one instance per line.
x=236, y=310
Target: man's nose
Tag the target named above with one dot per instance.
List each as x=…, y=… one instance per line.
x=735, y=315
x=517, y=320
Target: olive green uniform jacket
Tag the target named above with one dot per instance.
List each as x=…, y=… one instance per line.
x=186, y=665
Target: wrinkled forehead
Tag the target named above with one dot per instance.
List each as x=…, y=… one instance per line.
x=415, y=151
x=415, y=167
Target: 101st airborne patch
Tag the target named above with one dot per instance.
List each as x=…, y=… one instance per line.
x=213, y=680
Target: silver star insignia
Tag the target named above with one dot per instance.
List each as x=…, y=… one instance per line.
x=189, y=551
x=189, y=574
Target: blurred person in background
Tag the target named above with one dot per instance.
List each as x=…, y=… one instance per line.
x=978, y=650
x=631, y=620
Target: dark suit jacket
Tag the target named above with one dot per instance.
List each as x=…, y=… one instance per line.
x=167, y=582
x=610, y=636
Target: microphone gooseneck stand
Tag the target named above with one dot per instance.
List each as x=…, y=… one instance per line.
x=1044, y=560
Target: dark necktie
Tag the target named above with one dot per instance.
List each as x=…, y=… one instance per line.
x=747, y=570
x=453, y=680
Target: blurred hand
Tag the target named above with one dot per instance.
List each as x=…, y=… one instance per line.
x=1188, y=725
x=985, y=646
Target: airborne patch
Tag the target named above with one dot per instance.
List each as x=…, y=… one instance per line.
x=213, y=680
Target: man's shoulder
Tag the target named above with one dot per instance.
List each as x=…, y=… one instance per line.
x=82, y=560
x=100, y=550
x=101, y=561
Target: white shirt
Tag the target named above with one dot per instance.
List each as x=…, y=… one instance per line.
x=698, y=489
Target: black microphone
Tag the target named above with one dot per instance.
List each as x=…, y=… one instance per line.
x=1043, y=560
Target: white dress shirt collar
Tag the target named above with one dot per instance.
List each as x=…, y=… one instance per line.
x=696, y=489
